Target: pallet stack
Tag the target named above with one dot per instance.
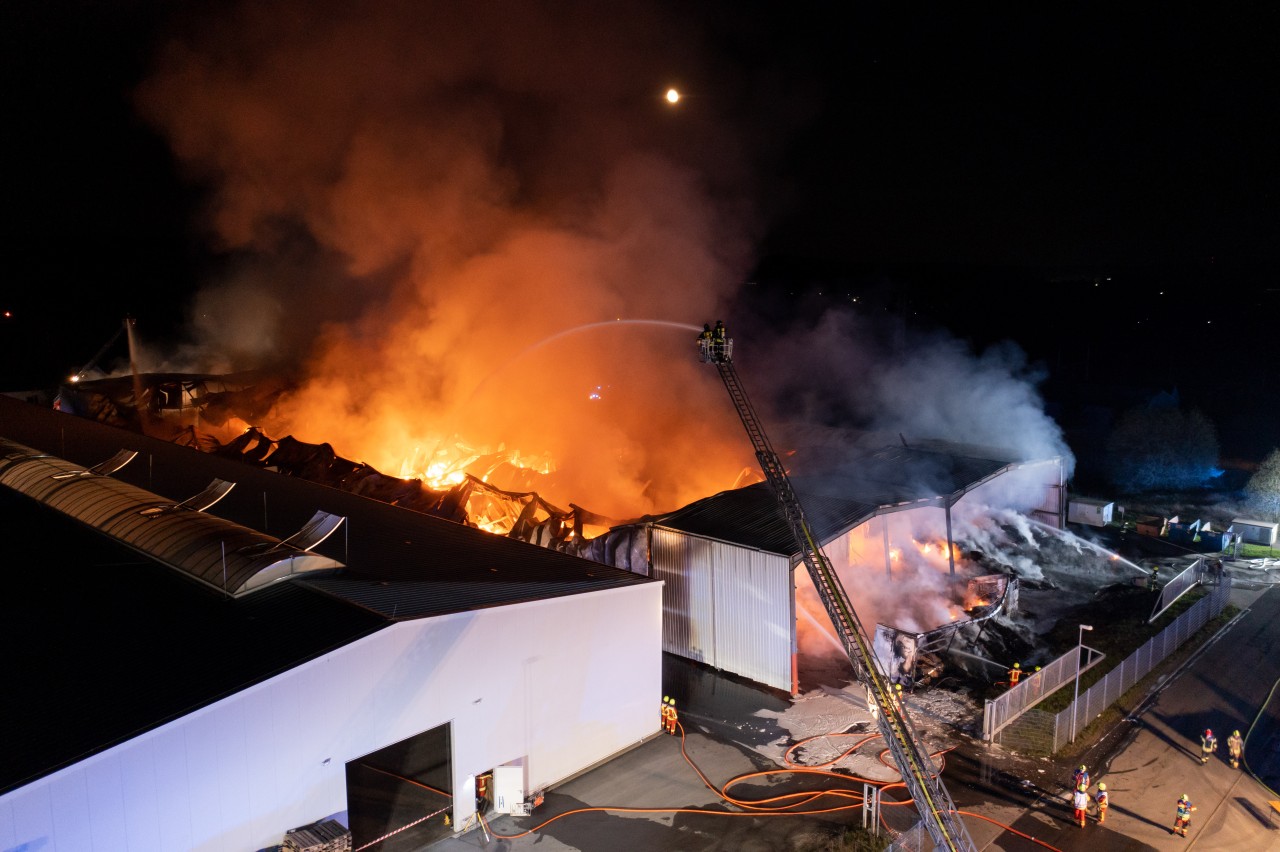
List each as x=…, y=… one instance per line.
x=327, y=835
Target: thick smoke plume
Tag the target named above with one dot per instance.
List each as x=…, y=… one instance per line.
x=448, y=217
x=847, y=379
x=416, y=194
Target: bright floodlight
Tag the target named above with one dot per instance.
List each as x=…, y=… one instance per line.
x=672, y=96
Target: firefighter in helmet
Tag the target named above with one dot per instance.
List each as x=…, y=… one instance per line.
x=704, y=342
x=1208, y=745
x=1182, y=818
x=1235, y=749
x=1080, y=802
x=1103, y=800
x=1014, y=674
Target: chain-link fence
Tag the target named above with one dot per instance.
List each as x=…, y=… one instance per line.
x=1035, y=731
x=1011, y=721
x=1119, y=680
x=1034, y=688
x=1178, y=586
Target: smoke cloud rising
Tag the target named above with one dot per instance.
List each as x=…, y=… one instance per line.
x=415, y=194
x=447, y=217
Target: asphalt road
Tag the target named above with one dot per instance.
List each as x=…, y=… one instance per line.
x=1155, y=759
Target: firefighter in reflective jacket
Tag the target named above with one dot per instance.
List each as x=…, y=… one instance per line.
x=1183, y=817
x=1101, y=798
x=1235, y=749
x=1014, y=674
x=1080, y=801
x=662, y=720
x=719, y=339
x=669, y=715
x=1208, y=745
x=1080, y=778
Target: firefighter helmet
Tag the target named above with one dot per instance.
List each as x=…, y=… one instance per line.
x=1083, y=768
x=1208, y=733
x=1017, y=665
x=1185, y=798
x=1102, y=785
x=1235, y=733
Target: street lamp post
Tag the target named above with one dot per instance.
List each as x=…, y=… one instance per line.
x=1075, y=710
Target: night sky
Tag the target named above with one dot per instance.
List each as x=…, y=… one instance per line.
x=1099, y=187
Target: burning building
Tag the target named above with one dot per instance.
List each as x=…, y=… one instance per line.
x=897, y=527
x=898, y=523
x=201, y=676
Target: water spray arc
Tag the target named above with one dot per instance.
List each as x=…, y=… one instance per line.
x=1067, y=535
x=577, y=329
x=923, y=781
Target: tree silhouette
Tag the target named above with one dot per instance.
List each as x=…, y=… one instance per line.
x=1263, y=490
x=1161, y=448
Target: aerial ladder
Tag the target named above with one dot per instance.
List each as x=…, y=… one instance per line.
x=937, y=810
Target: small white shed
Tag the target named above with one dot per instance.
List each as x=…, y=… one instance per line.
x=1255, y=532
x=1091, y=511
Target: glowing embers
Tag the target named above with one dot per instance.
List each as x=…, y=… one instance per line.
x=449, y=464
x=494, y=488
x=901, y=652
x=935, y=552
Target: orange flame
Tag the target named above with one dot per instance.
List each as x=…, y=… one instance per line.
x=449, y=465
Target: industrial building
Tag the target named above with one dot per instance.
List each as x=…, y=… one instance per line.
x=350, y=657
x=204, y=666
x=729, y=562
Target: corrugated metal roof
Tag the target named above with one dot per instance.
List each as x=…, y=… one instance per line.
x=378, y=543
x=102, y=644
x=226, y=556
x=839, y=498
x=750, y=516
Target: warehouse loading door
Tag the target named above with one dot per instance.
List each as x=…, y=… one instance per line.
x=390, y=791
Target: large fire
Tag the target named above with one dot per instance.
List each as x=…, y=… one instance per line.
x=448, y=464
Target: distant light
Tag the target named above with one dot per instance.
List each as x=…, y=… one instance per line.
x=673, y=96
x=8, y=314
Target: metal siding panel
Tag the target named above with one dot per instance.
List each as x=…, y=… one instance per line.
x=726, y=606
x=684, y=563
x=753, y=627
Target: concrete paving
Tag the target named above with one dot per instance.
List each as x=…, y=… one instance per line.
x=1147, y=762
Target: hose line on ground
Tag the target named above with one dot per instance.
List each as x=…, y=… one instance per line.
x=783, y=805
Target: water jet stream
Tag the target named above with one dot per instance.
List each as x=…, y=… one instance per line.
x=591, y=326
x=1063, y=534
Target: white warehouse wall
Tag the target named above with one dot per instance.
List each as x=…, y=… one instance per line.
x=558, y=684
x=725, y=605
